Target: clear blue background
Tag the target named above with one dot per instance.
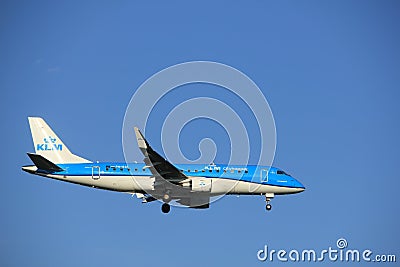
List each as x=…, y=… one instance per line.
x=329, y=69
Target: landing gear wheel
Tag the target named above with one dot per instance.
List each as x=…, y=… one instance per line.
x=165, y=208
x=268, y=197
x=166, y=197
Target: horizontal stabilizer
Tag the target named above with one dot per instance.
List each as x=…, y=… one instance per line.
x=44, y=164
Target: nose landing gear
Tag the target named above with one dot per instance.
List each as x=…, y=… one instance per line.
x=268, y=197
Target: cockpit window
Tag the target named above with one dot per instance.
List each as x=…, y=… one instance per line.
x=282, y=172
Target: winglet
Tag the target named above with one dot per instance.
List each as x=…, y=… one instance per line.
x=158, y=166
x=140, y=139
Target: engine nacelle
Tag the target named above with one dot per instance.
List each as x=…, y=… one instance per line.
x=200, y=184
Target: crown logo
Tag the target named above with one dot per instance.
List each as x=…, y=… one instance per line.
x=49, y=139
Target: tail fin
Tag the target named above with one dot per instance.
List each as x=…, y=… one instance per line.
x=48, y=145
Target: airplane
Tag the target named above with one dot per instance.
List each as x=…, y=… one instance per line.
x=190, y=185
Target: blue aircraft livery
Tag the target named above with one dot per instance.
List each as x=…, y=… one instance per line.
x=190, y=185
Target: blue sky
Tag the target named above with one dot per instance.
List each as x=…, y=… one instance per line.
x=329, y=69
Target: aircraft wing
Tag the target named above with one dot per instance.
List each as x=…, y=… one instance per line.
x=159, y=167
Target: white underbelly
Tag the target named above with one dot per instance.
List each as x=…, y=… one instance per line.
x=118, y=183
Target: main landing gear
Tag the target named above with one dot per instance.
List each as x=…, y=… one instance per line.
x=165, y=208
x=268, y=197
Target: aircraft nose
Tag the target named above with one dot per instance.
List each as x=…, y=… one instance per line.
x=299, y=185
